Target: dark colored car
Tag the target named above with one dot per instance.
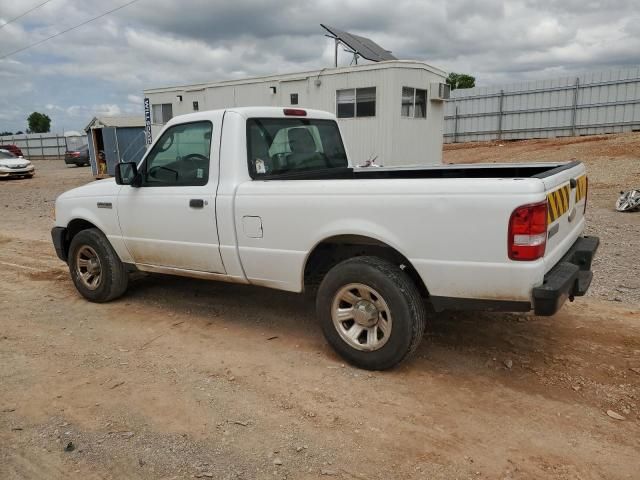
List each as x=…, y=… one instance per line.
x=77, y=157
x=13, y=149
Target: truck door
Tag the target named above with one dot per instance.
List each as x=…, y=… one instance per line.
x=169, y=220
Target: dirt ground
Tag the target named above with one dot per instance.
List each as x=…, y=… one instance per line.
x=192, y=379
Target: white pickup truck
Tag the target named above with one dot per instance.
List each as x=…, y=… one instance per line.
x=267, y=196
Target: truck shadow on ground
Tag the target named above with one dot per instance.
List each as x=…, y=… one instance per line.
x=572, y=357
x=468, y=342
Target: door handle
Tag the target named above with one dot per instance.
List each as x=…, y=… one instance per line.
x=196, y=203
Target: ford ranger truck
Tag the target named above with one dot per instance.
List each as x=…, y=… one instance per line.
x=268, y=196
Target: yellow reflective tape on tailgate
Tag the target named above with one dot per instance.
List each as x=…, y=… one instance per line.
x=558, y=203
x=581, y=187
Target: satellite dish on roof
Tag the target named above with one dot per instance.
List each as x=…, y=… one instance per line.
x=358, y=46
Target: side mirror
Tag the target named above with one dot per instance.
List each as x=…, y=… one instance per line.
x=126, y=173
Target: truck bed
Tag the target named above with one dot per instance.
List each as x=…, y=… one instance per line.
x=538, y=170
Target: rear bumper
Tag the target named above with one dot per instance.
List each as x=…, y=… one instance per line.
x=75, y=160
x=569, y=278
x=59, y=235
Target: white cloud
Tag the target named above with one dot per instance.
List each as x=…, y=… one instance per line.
x=88, y=111
x=104, y=66
x=107, y=109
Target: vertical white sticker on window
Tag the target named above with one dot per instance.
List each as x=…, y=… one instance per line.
x=200, y=173
x=260, y=166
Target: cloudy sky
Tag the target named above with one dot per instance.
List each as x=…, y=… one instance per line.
x=103, y=67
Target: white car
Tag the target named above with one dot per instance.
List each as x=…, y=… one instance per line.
x=267, y=196
x=12, y=166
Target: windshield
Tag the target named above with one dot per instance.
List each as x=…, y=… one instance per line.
x=6, y=155
x=287, y=145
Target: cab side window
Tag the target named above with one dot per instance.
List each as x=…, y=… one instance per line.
x=180, y=157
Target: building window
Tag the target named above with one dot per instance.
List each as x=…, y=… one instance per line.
x=356, y=102
x=196, y=107
x=294, y=98
x=346, y=103
x=414, y=102
x=162, y=113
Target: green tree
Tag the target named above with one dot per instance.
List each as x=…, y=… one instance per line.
x=39, y=123
x=461, y=80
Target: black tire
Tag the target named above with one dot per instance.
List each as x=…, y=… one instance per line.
x=114, y=276
x=402, y=297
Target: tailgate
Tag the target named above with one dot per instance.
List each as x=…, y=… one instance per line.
x=566, y=189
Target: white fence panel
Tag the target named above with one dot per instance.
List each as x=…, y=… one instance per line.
x=44, y=145
x=593, y=103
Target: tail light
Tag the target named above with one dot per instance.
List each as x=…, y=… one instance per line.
x=528, y=232
x=295, y=112
x=74, y=154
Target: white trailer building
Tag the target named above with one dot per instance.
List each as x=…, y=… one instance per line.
x=391, y=111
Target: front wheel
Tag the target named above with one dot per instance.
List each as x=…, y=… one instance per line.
x=371, y=312
x=95, y=268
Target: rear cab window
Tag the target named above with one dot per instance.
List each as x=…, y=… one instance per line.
x=282, y=146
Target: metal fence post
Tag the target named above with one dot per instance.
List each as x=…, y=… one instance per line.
x=28, y=150
x=500, y=115
x=455, y=124
x=574, y=114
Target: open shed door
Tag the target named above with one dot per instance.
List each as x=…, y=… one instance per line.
x=92, y=153
x=110, y=149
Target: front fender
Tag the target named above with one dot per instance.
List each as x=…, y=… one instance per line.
x=99, y=212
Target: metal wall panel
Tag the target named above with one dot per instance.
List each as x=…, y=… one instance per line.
x=131, y=143
x=43, y=145
x=593, y=103
x=110, y=148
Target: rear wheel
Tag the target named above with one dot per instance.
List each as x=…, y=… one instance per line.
x=371, y=312
x=95, y=268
